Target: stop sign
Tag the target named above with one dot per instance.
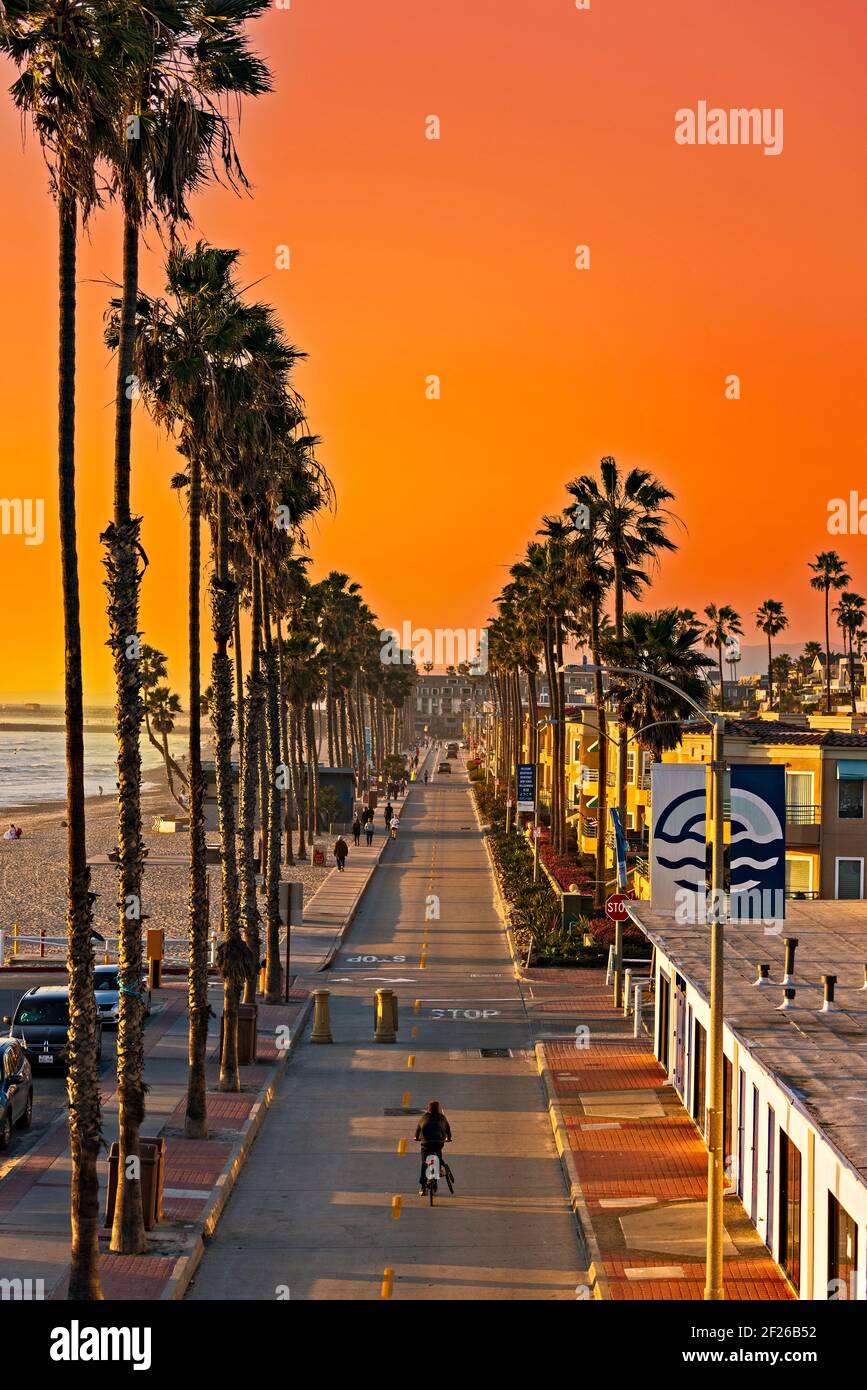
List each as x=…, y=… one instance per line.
x=615, y=907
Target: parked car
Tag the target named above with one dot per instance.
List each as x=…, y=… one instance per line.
x=444, y=767
x=107, y=989
x=41, y=1025
x=16, y=1090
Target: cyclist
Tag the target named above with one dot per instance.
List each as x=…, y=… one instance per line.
x=432, y=1132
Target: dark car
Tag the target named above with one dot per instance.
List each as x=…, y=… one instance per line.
x=444, y=767
x=41, y=1025
x=16, y=1090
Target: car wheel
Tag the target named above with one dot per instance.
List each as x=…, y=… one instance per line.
x=27, y=1118
x=6, y=1130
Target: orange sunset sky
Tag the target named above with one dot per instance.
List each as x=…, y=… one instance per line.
x=456, y=257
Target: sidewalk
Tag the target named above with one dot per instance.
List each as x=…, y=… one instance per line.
x=636, y=1164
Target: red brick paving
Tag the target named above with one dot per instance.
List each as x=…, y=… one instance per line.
x=662, y=1157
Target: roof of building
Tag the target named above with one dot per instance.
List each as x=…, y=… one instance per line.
x=767, y=731
x=820, y=1059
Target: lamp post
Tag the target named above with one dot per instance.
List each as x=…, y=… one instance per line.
x=713, y=1289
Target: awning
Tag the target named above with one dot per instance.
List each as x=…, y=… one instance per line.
x=593, y=801
x=852, y=770
x=593, y=747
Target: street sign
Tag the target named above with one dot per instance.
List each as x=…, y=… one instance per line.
x=537, y=832
x=615, y=908
x=526, y=786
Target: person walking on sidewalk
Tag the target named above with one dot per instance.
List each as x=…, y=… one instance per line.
x=395, y=823
x=368, y=832
x=433, y=1130
x=341, y=849
x=388, y=813
x=356, y=831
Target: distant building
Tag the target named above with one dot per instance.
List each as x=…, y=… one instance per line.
x=443, y=703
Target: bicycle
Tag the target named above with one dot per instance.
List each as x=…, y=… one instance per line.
x=435, y=1168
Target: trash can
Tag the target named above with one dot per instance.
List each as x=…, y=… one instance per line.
x=248, y=1015
x=152, y=1155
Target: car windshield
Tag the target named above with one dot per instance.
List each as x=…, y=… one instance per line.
x=50, y=1011
x=105, y=979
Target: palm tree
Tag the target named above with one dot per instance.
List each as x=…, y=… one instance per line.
x=850, y=616
x=161, y=706
x=629, y=515
x=664, y=643
x=829, y=572
x=771, y=620
x=153, y=668
x=723, y=624
x=69, y=87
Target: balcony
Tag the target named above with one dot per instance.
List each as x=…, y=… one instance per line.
x=588, y=828
x=803, y=815
x=803, y=825
x=644, y=782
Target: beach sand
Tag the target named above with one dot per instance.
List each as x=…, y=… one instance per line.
x=33, y=870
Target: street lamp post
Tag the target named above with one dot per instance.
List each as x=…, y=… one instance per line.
x=713, y=1289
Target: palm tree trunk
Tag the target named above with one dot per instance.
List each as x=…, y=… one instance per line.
x=122, y=563
x=288, y=775
x=329, y=710
x=275, y=802
x=770, y=682
x=344, y=737
x=827, y=651
x=247, y=787
x=196, y=1120
x=719, y=652
x=85, y=1126
x=312, y=772
x=602, y=737
x=296, y=754
x=233, y=954
x=239, y=680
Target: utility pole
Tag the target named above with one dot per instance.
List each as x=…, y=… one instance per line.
x=715, y=1156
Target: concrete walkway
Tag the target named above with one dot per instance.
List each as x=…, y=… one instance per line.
x=328, y=1201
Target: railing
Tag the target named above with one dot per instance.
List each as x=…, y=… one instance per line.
x=588, y=828
x=50, y=947
x=803, y=815
x=802, y=894
x=590, y=774
x=642, y=866
x=644, y=782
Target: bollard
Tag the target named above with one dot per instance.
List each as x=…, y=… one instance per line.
x=627, y=986
x=385, y=1016
x=155, y=970
x=42, y=945
x=321, y=1017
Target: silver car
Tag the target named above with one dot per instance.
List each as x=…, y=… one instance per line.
x=105, y=984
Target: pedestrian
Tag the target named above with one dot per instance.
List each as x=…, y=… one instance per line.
x=356, y=830
x=394, y=826
x=368, y=830
x=388, y=813
x=341, y=849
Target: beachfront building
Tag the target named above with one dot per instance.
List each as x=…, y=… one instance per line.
x=795, y=1109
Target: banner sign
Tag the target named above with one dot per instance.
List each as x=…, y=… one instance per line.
x=620, y=842
x=678, y=839
x=526, y=786
x=757, y=860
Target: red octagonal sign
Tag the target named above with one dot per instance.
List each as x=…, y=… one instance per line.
x=615, y=907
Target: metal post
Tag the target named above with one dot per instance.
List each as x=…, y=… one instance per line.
x=716, y=1158
x=618, y=964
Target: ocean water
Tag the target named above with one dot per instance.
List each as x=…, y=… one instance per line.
x=33, y=766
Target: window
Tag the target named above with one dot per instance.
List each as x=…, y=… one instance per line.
x=842, y=1251
x=699, y=1075
x=850, y=878
x=576, y=793
x=799, y=874
x=630, y=766
x=799, y=798
x=790, y=1209
x=727, y=1114
x=576, y=750
x=664, y=1020
x=630, y=820
x=850, y=800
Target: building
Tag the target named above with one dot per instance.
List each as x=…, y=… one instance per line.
x=442, y=704
x=795, y=1098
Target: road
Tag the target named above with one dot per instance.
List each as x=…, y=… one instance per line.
x=313, y=1214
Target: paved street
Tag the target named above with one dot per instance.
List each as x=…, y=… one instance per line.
x=312, y=1212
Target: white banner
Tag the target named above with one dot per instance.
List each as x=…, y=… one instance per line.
x=678, y=836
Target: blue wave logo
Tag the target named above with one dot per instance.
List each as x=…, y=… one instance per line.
x=682, y=826
x=757, y=840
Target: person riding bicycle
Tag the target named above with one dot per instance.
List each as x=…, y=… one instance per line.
x=433, y=1130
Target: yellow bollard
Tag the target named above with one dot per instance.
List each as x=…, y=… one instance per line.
x=406, y=1100
x=410, y=1061
x=395, y=1208
x=416, y=1006
x=321, y=1017
x=401, y=1148
x=387, y=1283
x=385, y=1016
x=415, y=1032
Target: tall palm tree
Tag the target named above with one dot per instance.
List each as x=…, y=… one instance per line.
x=153, y=668
x=69, y=87
x=630, y=518
x=665, y=644
x=723, y=623
x=161, y=706
x=850, y=614
x=771, y=620
x=829, y=572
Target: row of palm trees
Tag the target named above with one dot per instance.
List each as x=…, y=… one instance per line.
x=599, y=550
x=829, y=574
x=129, y=102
